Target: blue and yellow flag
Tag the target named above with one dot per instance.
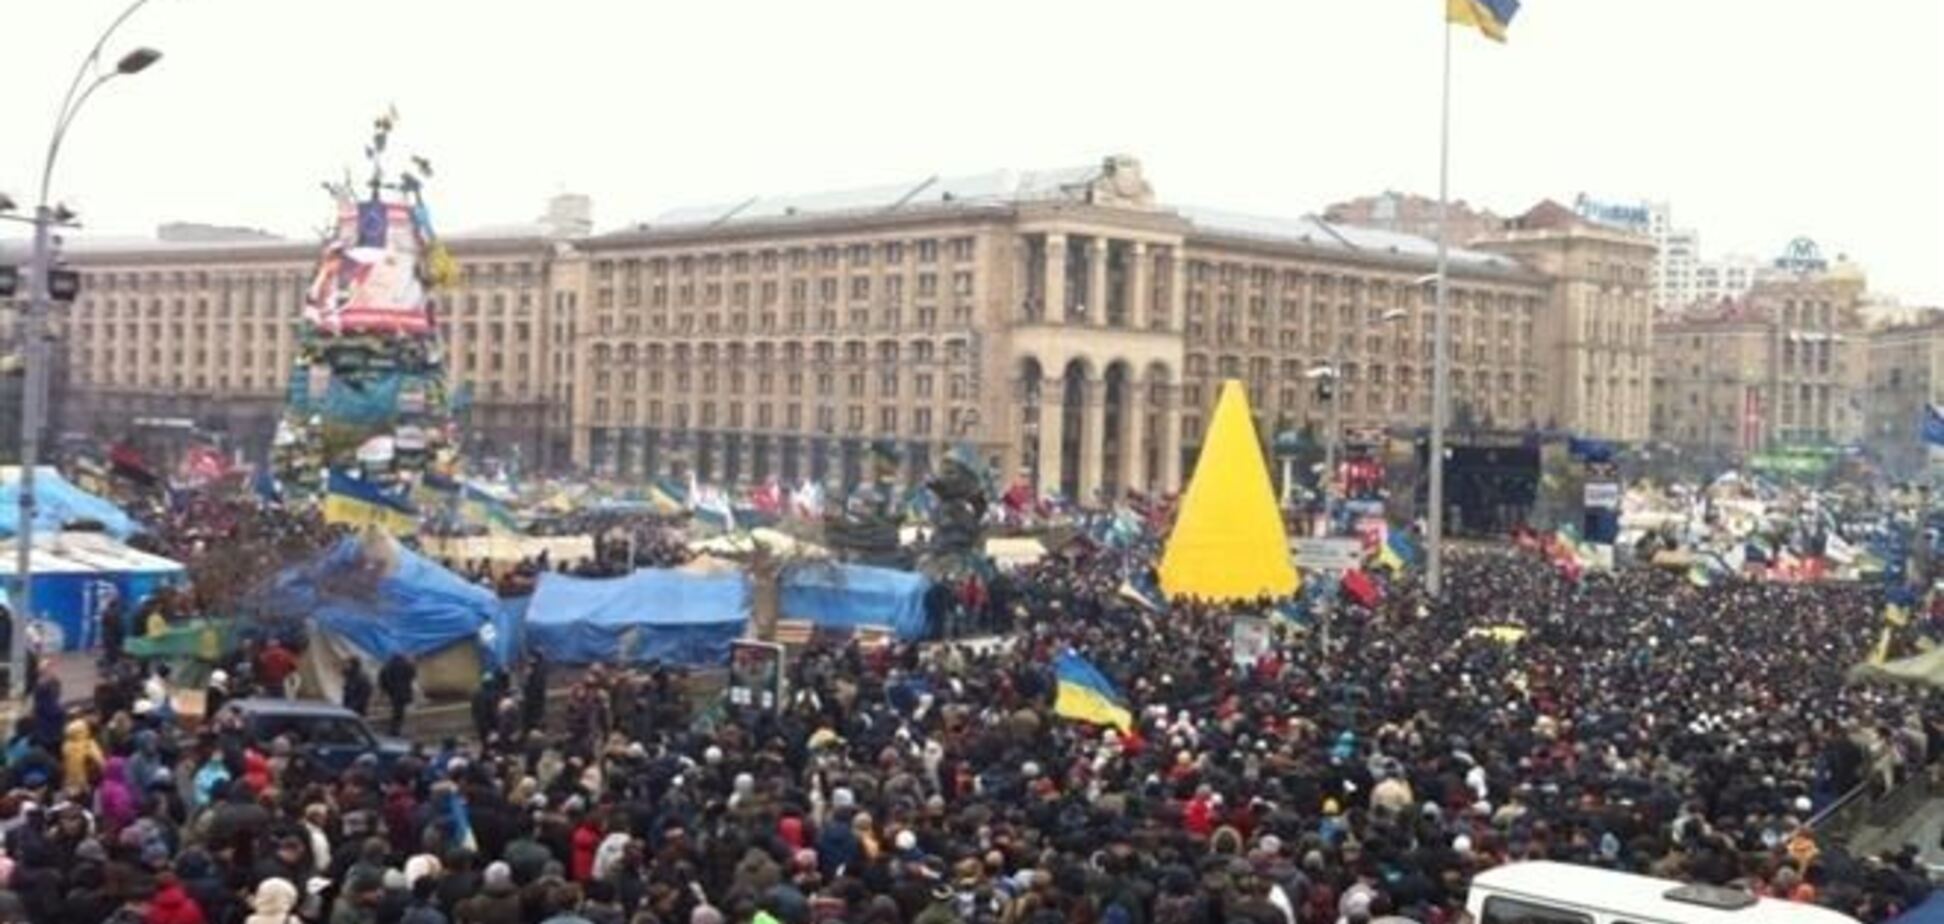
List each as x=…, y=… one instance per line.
x=482, y=509
x=1488, y=16
x=1086, y=696
x=359, y=503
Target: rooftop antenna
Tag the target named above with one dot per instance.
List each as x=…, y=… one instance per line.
x=726, y=216
x=913, y=194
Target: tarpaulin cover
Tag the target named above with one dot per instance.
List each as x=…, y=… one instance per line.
x=850, y=596
x=1924, y=669
x=78, y=575
x=58, y=503
x=653, y=614
x=382, y=598
x=1930, y=912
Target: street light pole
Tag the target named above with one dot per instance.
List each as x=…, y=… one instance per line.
x=33, y=335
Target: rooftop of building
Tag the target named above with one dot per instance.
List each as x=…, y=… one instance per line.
x=567, y=217
x=1115, y=182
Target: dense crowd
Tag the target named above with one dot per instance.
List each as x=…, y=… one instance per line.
x=1630, y=721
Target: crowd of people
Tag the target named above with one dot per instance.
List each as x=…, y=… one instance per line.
x=1629, y=720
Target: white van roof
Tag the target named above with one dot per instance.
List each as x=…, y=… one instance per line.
x=1635, y=898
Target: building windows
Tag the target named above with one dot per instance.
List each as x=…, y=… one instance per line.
x=921, y=421
x=962, y=249
x=928, y=251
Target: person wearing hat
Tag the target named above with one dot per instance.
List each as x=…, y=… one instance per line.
x=172, y=903
x=359, y=902
x=498, y=901
x=274, y=902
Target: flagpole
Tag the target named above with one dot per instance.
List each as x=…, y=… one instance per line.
x=1441, y=352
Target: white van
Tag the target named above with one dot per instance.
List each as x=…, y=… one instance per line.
x=1561, y=893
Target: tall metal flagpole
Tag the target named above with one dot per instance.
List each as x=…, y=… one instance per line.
x=1441, y=350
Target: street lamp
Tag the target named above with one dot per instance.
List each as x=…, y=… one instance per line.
x=33, y=340
x=1333, y=373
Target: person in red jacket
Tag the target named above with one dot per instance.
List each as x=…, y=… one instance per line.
x=275, y=664
x=586, y=838
x=172, y=904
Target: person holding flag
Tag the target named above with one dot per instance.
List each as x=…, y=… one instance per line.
x=1084, y=694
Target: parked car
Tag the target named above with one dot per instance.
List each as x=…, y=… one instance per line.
x=331, y=735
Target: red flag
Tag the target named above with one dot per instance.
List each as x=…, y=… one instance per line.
x=1360, y=588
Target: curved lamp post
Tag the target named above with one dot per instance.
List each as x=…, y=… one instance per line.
x=33, y=339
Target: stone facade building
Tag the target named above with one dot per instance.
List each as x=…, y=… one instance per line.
x=1598, y=329
x=1786, y=366
x=1064, y=322
x=201, y=326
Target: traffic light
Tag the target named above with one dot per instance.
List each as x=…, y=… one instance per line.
x=63, y=285
x=9, y=280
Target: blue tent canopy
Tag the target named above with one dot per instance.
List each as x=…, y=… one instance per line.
x=383, y=598
x=653, y=614
x=77, y=575
x=850, y=596
x=1931, y=911
x=57, y=503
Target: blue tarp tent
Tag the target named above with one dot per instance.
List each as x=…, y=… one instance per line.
x=652, y=614
x=382, y=598
x=77, y=575
x=57, y=503
x=848, y=596
x=1931, y=911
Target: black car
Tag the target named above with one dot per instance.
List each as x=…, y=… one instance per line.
x=331, y=735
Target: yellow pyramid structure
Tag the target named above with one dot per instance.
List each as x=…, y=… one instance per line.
x=1228, y=541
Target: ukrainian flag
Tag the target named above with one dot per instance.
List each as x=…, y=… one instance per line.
x=1488, y=16
x=352, y=502
x=482, y=509
x=1396, y=552
x=1086, y=696
x=434, y=492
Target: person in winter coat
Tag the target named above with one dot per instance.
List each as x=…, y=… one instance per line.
x=498, y=902
x=172, y=904
x=357, y=687
x=205, y=884
x=115, y=800
x=396, y=679
x=275, y=902
x=48, y=714
x=81, y=760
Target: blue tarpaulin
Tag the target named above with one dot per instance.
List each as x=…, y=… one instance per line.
x=383, y=598
x=57, y=502
x=850, y=596
x=509, y=628
x=1931, y=911
x=653, y=614
x=77, y=576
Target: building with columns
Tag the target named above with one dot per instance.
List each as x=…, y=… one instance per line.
x=1064, y=322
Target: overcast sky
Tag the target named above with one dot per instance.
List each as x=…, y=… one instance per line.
x=1760, y=120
